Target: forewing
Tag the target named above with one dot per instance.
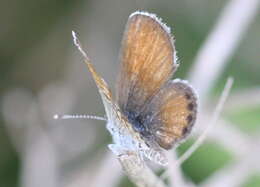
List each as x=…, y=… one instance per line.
x=172, y=113
x=147, y=61
x=104, y=91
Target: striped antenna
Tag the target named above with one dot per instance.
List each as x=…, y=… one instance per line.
x=67, y=116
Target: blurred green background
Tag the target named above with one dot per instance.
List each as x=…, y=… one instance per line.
x=36, y=51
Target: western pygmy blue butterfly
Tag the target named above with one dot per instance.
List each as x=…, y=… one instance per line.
x=150, y=113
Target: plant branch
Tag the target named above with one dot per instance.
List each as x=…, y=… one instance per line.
x=221, y=43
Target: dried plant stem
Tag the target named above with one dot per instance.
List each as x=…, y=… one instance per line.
x=138, y=172
x=176, y=177
x=102, y=175
x=221, y=43
x=252, y=100
x=235, y=173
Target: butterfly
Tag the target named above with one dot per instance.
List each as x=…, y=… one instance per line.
x=150, y=113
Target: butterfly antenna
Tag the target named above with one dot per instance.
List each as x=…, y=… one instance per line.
x=213, y=121
x=66, y=116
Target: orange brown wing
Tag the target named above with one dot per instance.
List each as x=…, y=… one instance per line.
x=147, y=62
x=172, y=113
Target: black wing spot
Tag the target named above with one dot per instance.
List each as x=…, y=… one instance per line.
x=190, y=106
x=189, y=118
x=188, y=96
x=185, y=130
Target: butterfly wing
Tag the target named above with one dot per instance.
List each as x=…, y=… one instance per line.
x=147, y=62
x=104, y=91
x=125, y=138
x=103, y=88
x=171, y=113
x=162, y=111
